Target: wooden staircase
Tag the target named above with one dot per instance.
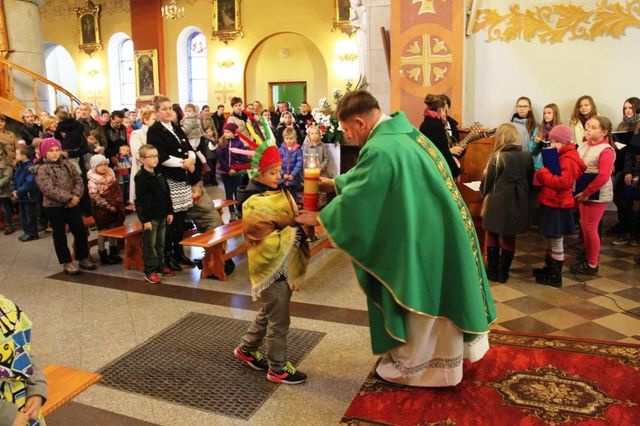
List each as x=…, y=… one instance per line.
x=9, y=105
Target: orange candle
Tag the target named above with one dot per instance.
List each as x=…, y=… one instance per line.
x=311, y=180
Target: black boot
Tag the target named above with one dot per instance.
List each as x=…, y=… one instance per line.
x=493, y=257
x=171, y=263
x=113, y=254
x=554, y=276
x=182, y=259
x=229, y=266
x=545, y=270
x=505, y=263
x=104, y=257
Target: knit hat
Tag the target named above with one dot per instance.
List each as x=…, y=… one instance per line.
x=561, y=133
x=98, y=159
x=270, y=157
x=47, y=144
x=233, y=128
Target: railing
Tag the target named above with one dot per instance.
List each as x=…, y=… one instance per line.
x=6, y=88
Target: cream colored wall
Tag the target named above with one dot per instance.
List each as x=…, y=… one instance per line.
x=497, y=73
x=259, y=21
x=62, y=28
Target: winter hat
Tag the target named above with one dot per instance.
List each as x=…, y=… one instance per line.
x=98, y=159
x=47, y=144
x=561, y=133
x=270, y=157
x=233, y=128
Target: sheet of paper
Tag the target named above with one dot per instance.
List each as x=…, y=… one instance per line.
x=475, y=185
x=619, y=145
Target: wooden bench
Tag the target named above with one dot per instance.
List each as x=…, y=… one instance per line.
x=214, y=253
x=213, y=244
x=64, y=384
x=220, y=204
x=88, y=222
x=132, y=236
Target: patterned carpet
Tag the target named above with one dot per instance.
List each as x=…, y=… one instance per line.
x=523, y=379
x=584, y=307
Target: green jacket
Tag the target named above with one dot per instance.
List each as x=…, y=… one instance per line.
x=401, y=219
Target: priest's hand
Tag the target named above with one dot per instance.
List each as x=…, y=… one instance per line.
x=326, y=185
x=308, y=218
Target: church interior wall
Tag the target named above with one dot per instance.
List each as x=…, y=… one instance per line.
x=497, y=72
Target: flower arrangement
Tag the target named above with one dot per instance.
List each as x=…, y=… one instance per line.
x=324, y=114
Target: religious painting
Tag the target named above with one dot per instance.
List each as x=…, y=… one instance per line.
x=342, y=16
x=226, y=20
x=146, y=74
x=89, y=29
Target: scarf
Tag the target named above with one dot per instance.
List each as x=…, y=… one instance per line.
x=275, y=247
x=15, y=363
x=584, y=119
x=631, y=121
x=432, y=114
x=546, y=128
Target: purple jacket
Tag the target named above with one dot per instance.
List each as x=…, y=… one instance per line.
x=227, y=159
x=58, y=182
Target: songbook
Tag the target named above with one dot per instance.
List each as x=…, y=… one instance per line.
x=622, y=137
x=551, y=160
x=620, y=146
x=474, y=186
x=584, y=181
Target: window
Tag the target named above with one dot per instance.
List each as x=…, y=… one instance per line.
x=197, y=68
x=127, y=76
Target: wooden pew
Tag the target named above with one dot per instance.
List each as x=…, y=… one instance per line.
x=213, y=244
x=220, y=204
x=132, y=236
x=64, y=384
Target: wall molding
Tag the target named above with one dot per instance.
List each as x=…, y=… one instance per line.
x=555, y=22
x=57, y=9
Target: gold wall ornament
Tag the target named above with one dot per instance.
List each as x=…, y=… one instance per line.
x=89, y=27
x=552, y=23
x=342, y=17
x=226, y=20
x=426, y=6
x=426, y=60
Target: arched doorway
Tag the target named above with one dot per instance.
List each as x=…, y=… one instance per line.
x=281, y=58
x=61, y=69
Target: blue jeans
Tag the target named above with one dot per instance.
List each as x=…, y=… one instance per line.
x=29, y=218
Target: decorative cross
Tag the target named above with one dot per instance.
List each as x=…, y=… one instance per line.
x=426, y=60
x=224, y=91
x=426, y=6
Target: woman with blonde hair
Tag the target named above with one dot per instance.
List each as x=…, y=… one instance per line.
x=505, y=199
x=139, y=138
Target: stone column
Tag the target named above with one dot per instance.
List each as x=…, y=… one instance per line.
x=25, y=42
x=373, y=64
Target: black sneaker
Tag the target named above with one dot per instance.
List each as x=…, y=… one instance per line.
x=288, y=375
x=229, y=266
x=255, y=360
x=583, y=268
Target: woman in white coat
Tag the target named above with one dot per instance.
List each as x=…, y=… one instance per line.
x=139, y=138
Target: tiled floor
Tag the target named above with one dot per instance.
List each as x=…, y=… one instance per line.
x=88, y=321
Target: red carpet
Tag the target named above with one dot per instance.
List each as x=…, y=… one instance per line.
x=522, y=380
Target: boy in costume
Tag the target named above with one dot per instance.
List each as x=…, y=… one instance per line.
x=277, y=257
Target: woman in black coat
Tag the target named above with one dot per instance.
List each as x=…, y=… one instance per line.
x=176, y=160
x=505, y=205
x=433, y=127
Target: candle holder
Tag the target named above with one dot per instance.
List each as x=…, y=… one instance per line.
x=311, y=181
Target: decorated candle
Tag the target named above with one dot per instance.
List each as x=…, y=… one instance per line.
x=311, y=180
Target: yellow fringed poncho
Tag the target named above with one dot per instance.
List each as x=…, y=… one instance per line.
x=274, y=246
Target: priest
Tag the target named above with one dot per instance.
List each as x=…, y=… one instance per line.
x=400, y=218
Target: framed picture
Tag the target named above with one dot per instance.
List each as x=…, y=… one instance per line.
x=146, y=74
x=89, y=27
x=226, y=20
x=341, y=20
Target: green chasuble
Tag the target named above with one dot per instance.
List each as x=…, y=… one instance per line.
x=401, y=219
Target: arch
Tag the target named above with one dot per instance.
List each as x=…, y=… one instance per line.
x=182, y=61
x=310, y=66
x=120, y=81
x=61, y=69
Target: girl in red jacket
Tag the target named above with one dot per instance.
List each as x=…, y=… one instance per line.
x=556, y=199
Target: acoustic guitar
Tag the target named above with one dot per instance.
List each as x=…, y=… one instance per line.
x=475, y=134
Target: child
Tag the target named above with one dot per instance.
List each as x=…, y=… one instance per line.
x=291, y=155
x=31, y=129
x=505, y=205
x=230, y=163
x=313, y=144
x=584, y=109
x=556, y=199
x=208, y=147
x=6, y=173
x=278, y=258
x=25, y=192
x=287, y=123
x=123, y=169
x=599, y=156
x=8, y=140
x=23, y=383
x=61, y=187
x=524, y=121
x=128, y=125
x=107, y=206
x=154, y=210
x=191, y=126
x=540, y=136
